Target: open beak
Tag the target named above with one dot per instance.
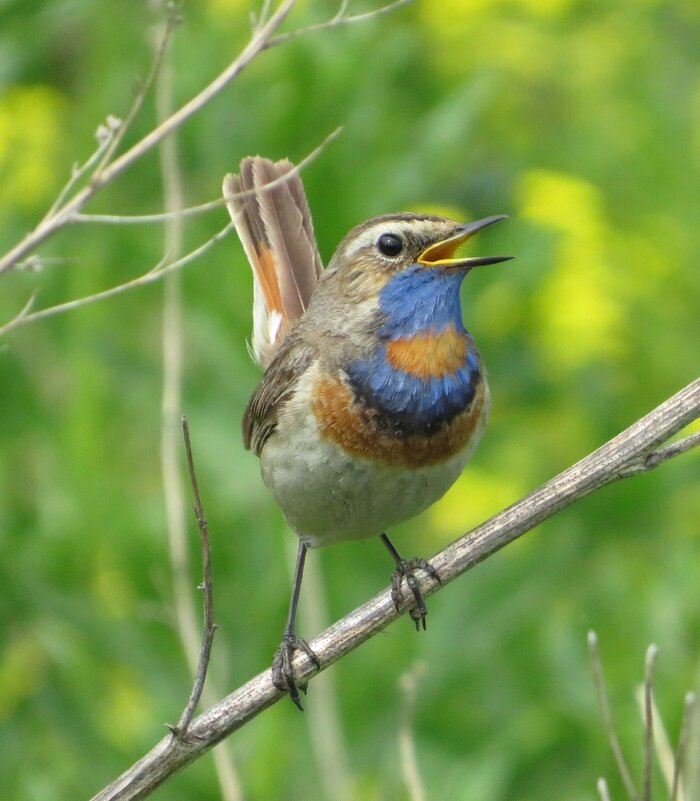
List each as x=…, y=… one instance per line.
x=441, y=254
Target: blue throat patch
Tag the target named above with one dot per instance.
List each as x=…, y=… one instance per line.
x=416, y=301
x=419, y=299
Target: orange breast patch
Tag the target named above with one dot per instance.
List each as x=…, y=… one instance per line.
x=430, y=354
x=356, y=429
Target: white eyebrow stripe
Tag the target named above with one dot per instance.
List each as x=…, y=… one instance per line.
x=369, y=236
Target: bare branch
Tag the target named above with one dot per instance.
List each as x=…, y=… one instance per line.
x=608, y=725
x=171, y=22
x=65, y=214
x=154, y=274
x=655, y=458
x=165, y=266
x=209, y=625
x=602, y=467
x=339, y=19
x=105, y=134
x=118, y=219
x=136, y=219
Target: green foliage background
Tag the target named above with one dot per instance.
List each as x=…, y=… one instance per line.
x=579, y=119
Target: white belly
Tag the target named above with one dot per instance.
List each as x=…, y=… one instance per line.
x=329, y=496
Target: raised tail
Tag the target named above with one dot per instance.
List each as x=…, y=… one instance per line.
x=268, y=206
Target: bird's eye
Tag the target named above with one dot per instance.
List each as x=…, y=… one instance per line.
x=389, y=245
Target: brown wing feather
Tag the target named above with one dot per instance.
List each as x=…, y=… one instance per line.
x=261, y=413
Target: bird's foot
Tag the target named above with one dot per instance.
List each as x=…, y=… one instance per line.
x=283, y=671
x=405, y=569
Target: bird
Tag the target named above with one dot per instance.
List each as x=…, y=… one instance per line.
x=374, y=393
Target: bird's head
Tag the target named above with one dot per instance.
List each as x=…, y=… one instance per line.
x=401, y=246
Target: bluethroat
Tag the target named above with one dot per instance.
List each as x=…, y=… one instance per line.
x=374, y=394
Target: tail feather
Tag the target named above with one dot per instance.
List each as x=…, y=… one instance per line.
x=275, y=227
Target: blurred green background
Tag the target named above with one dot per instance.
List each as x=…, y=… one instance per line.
x=581, y=120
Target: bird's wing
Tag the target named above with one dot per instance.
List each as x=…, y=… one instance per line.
x=274, y=223
x=293, y=358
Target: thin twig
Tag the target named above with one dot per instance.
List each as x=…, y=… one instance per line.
x=336, y=21
x=106, y=175
x=111, y=134
x=190, y=211
x=674, y=449
x=136, y=219
x=172, y=341
x=154, y=274
x=256, y=24
x=605, y=713
x=676, y=793
x=172, y=20
x=652, y=651
x=262, y=39
x=164, y=267
x=598, y=469
x=105, y=134
x=209, y=625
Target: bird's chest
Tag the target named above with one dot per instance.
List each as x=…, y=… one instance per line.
x=337, y=476
x=412, y=402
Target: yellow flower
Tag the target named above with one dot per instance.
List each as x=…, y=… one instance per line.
x=31, y=137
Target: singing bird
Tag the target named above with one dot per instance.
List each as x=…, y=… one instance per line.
x=374, y=394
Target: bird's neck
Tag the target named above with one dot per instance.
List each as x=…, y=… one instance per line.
x=420, y=299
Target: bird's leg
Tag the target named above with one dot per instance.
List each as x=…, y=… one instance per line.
x=282, y=669
x=405, y=568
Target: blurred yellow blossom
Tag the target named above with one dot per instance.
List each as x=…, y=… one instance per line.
x=31, y=136
x=579, y=317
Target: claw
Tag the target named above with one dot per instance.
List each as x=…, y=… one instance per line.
x=283, y=670
x=405, y=569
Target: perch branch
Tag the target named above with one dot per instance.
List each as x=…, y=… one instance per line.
x=604, y=466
